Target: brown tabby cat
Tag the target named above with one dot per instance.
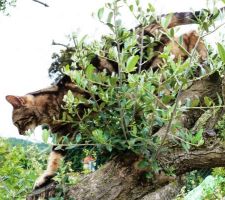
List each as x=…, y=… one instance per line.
x=44, y=106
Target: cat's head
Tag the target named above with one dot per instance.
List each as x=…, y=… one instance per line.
x=25, y=112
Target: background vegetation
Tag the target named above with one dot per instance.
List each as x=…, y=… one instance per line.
x=20, y=164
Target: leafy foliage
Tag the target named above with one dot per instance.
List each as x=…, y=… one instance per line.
x=217, y=192
x=126, y=108
x=5, y=4
x=19, y=169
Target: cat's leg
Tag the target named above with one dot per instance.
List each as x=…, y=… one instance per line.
x=54, y=160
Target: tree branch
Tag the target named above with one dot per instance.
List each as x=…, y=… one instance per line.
x=44, y=4
x=59, y=44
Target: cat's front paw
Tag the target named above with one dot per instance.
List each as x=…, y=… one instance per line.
x=43, y=180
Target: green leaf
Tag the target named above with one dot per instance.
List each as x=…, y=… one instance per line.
x=109, y=19
x=70, y=147
x=180, y=40
x=134, y=130
x=221, y=51
x=208, y=101
x=155, y=166
x=172, y=32
x=205, y=26
x=149, y=175
x=131, y=63
x=64, y=116
x=143, y=164
x=166, y=21
x=137, y=2
x=89, y=71
x=203, y=71
x=201, y=142
x=216, y=12
x=45, y=135
x=197, y=137
x=109, y=147
x=67, y=68
x=100, y=13
x=195, y=102
x=167, y=98
x=78, y=138
x=131, y=7
x=219, y=99
x=99, y=136
x=111, y=26
x=188, y=102
x=58, y=147
x=186, y=146
x=151, y=7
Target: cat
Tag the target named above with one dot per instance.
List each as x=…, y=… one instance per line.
x=44, y=106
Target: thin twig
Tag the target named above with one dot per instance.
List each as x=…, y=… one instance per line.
x=76, y=145
x=122, y=121
x=174, y=40
x=139, y=67
x=179, y=138
x=213, y=30
x=172, y=116
x=141, y=51
x=44, y=4
x=59, y=44
x=161, y=104
x=202, y=107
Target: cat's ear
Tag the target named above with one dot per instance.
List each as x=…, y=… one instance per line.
x=15, y=101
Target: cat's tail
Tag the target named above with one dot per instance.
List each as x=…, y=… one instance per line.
x=184, y=18
x=178, y=19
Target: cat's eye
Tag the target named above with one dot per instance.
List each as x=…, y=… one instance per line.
x=17, y=124
x=27, y=123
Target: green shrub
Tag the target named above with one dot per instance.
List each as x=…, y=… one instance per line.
x=131, y=105
x=19, y=169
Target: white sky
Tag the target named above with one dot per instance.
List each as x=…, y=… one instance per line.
x=26, y=36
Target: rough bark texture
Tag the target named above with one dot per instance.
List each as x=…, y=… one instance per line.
x=44, y=192
x=120, y=179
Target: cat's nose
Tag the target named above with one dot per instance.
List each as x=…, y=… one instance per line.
x=21, y=132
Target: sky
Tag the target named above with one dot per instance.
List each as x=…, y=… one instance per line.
x=26, y=42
